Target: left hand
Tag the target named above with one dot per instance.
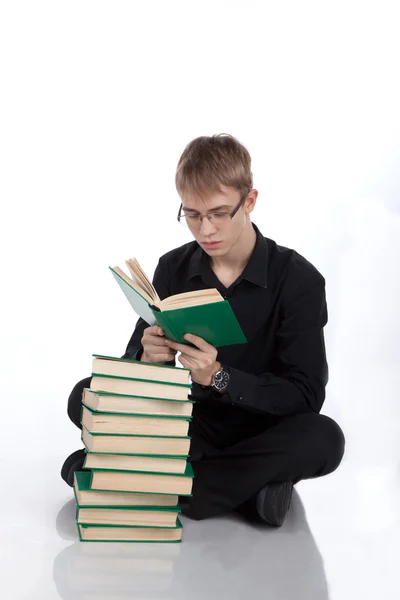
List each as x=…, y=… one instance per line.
x=200, y=360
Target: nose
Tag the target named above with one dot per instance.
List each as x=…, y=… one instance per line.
x=206, y=228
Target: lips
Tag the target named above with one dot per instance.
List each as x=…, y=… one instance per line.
x=210, y=244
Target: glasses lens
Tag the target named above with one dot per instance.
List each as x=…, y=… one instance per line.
x=183, y=221
x=194, y=221
x=220, y=218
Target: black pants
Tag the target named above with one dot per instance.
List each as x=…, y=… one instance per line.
x=292, y=448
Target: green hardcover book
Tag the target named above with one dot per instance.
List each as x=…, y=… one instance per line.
x=124, y=404
x=138, y=516
x=102, y=414
x=203, y=312
x=122, y=533
x=141, y=481
x=139, y=387
x=139, y=370
x=135, y=462
x=114, y=423
x=135, y=444
x=85, y=496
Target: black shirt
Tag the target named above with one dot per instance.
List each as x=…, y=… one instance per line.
x=279, y=301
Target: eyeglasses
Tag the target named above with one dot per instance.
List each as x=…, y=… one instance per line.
x=194, y=221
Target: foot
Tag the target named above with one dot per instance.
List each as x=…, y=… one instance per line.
x=273, y=502
x=73, y=463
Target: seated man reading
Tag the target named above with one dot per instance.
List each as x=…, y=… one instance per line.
x=256, y=428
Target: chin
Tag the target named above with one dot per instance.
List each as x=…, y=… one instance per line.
x=216, y=252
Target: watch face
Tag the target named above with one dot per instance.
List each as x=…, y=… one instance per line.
x=221, y=380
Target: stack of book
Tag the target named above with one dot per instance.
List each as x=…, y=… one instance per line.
x=135, y=421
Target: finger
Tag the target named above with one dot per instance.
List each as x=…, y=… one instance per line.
x=154, y=340
x=161, y=350
x=160, y=358
x=188, y=350
x=157, y=351
x=197, y=341
x=185, y=363
x=154, y=330
x=160, y=346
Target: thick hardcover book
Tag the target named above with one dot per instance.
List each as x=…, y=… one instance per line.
x=124, y=404
x=135, y=444
x=121, y=533
x=114, y=423
x=139, y=387
x=203, y=312
x=136, y=369
x=142, y=516
x=84, y=496
x=140, y=481
x=132, y=462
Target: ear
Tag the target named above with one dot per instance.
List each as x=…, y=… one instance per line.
x=251, y=201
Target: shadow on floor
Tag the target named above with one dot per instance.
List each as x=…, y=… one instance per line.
x=220, y=558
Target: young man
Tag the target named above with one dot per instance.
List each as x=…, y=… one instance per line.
x=256, y=428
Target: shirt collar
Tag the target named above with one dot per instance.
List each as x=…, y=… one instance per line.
x=255, y=270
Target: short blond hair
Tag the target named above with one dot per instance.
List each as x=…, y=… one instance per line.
x=208, y=162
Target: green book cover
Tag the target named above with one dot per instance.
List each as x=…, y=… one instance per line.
x=138, y=415
x=132, y=509
x=177, y=431
x=166, y=468
x=171, y=509
x=178, y=525
x=83, y=480
x=181, y=456
x=98, y=393
x=87, y=526
x=215, y=322
x=186, y=385
x=188, y=472
x=141, y=362
x=180, y=437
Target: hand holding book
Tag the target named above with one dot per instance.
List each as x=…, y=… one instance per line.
x=154, y=345
x=201, y=360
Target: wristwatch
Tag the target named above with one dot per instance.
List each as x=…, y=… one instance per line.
x=220, y=379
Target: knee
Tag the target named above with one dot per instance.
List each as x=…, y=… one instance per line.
x=331, y=440
x=75, y=401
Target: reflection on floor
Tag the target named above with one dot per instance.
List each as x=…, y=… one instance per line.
x=219, y=558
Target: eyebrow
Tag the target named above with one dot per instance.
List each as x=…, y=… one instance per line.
x=211, y=209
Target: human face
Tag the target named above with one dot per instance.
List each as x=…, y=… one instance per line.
x=228, y=220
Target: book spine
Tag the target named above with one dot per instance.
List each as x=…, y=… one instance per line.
x=164, y=322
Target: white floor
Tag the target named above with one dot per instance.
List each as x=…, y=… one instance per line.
x=339, y=541
x=341, y=537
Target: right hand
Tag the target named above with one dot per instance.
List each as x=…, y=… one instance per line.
x=154, y=348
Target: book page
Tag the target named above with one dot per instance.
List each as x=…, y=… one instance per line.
x=194, y=298
x=140, y=276
x=139, y=303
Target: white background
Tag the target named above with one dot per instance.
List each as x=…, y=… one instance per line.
x=98, y=100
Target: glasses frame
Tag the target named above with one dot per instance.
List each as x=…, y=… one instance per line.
x=231, y=214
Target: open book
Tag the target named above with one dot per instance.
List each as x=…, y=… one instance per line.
x=203, y=312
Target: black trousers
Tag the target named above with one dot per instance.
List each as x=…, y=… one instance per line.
x=291, y=448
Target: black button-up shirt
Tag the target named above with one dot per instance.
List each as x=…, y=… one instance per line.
x=279, y=301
